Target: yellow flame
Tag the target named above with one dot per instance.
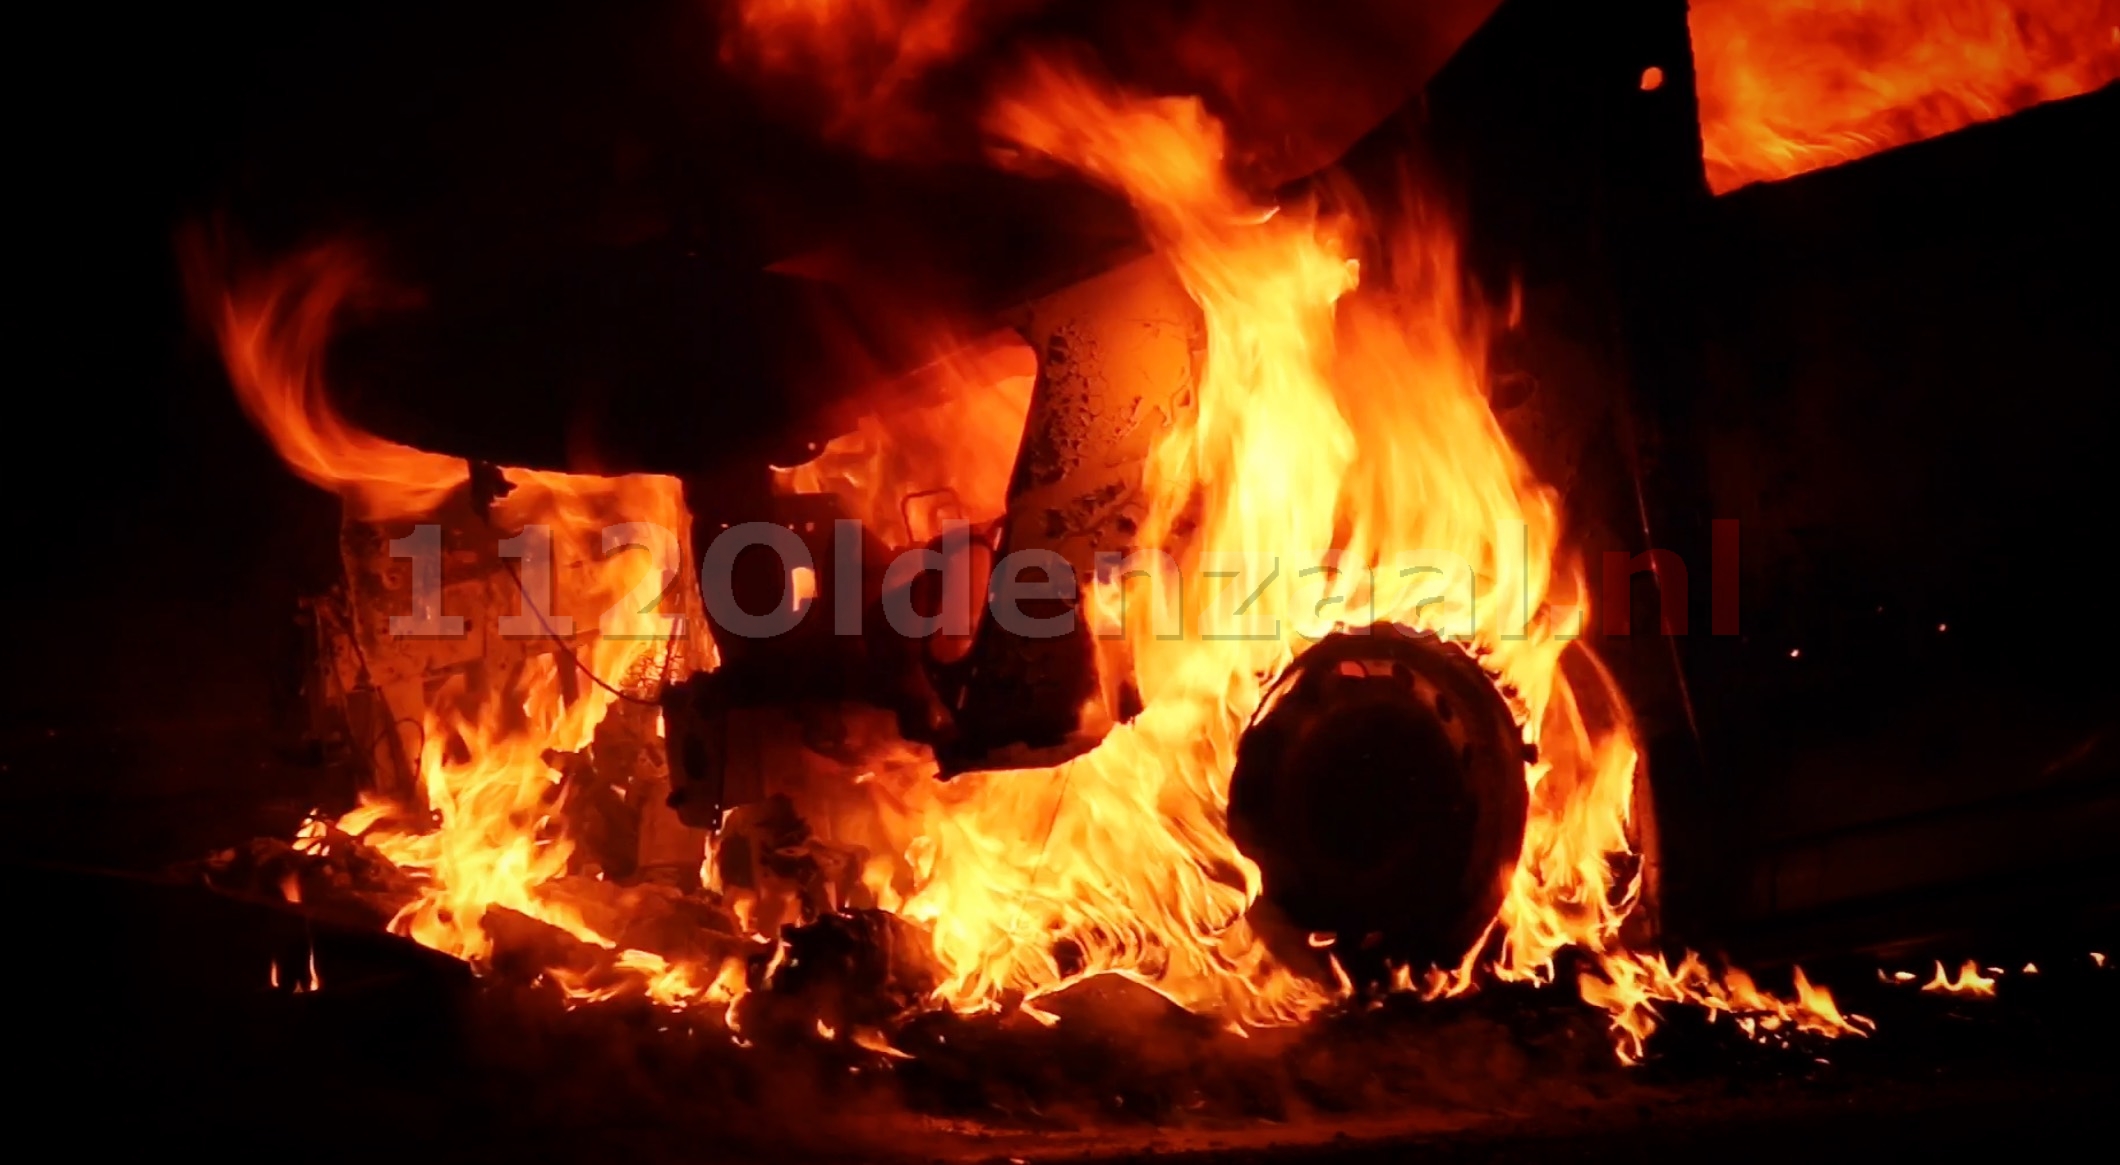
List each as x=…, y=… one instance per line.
x=1632, y=985
x=1324, y=421
x=938, y=445
x=1339, y=414
x=1967, y=983
x=482, y=776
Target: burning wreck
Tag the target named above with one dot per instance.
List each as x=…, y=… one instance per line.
x=1189, y=598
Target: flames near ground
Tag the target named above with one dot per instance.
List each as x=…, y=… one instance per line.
x=1339, y=404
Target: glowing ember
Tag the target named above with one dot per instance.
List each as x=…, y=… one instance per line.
x=1791, y=87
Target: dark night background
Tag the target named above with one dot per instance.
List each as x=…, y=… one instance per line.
x=167, y=541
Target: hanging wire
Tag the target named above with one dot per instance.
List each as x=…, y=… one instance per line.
x=567, y=649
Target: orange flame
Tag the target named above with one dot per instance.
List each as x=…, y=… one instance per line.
x=1339, y=417
x=1633, y=985
x=843, y=38
x=489, y=795
x=1969, y=983
x=1324, y=422
x=947, y=437
x=1790, y=87
x=273, y=334
x=863, y=58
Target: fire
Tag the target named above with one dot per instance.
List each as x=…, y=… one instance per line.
x=1339, y=422
x=1790, y=87
x=840, y=38
x=272, y=335
x=666, y=983
x=1635, y=984
x=479, y=840
x=1325, y=421
x=1968, y=983
x=862, y=58
x=947, y=438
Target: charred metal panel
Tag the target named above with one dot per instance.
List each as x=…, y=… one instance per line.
x=1118, y=359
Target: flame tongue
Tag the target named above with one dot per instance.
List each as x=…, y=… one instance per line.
x=273, y=334
x=1336, y=430
x=489, y=793
x=1361, y=436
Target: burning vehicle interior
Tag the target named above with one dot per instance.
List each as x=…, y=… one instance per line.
x=1028, y=580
